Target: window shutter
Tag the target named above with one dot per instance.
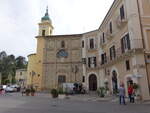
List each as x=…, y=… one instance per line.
x=110, y=27
x=89, y=62
x=105, y=58
x=122, y=13
x=95, y=62
x=122, y=45
x=114, y=50
x=110, y=53
x=128, y=41
x=102, y=58
x=82, y=44
x=91, y=43
x=103, y=37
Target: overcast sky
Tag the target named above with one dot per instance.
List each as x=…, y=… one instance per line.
x=19, y=20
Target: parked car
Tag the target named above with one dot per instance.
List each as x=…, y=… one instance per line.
x=9, y=89
x=16, y=87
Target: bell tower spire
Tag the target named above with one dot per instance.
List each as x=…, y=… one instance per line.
x=47, y=11
x=45, y=27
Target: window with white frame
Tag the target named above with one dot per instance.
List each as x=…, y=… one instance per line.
x=122, y=12
x=125, y=43
x=92, y=62
x=91, y=43
x=103, y=58
x=112, y=52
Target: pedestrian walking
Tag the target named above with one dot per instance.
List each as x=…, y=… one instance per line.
x=122, y=94
x=131, y=93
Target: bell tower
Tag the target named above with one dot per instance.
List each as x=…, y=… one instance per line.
x=45, y=26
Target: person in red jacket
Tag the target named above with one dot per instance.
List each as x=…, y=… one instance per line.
x=131, y=93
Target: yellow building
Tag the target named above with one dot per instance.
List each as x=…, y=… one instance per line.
x=118, y=52
x=57, y=59
x=21, y=77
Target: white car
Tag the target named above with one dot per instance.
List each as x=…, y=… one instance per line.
x=10, y=89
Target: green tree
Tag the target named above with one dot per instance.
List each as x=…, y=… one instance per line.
x=9, y=64
x=20, y=62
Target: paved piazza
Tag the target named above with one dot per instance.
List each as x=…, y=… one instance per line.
x=15, y=103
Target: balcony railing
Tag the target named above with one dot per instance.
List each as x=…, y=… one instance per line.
x=136, y=45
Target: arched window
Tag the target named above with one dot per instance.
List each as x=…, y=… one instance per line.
x=62, y=44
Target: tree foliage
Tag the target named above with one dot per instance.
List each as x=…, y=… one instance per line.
x=9, y=64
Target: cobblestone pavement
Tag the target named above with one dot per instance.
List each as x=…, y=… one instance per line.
x=42, y=103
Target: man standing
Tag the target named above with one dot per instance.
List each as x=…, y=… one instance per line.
x=122, y=94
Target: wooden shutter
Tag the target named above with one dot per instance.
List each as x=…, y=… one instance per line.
x=110, y=53
x=110, y=27
x=105, y=58
x=102, y=58
x=128, y=41
x=89, y=62
x=122, y=13
x=94, y=61
x=122, y=45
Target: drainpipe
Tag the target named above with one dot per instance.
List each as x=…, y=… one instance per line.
x=143, y=42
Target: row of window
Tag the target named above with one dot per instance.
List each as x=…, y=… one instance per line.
x=91, y=44
x=125, y=46
x=92, y=62
x=103, y=39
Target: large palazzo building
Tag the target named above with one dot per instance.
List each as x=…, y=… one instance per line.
x=117, y=52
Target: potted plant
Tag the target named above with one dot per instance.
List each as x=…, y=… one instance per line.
x=27, y=92
x=54, y=93
x=61, y=93
x=32, y=91
x=106, y=88
x=137, y=93
x=101, y=91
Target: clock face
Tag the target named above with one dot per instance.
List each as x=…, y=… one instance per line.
x=62, y=53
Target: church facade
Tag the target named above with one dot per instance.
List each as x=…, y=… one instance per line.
x=118, y=52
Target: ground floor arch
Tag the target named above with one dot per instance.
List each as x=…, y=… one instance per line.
x=92, y=82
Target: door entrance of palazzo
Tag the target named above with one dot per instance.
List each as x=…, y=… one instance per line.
x=92, y=82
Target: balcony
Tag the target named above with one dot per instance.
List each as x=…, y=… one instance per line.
x=102, y=42
x=136, y=46
x=109, y=35
x=120, y=22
